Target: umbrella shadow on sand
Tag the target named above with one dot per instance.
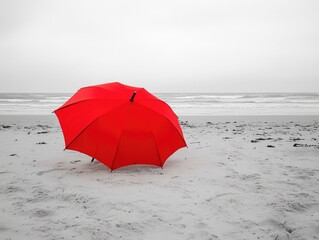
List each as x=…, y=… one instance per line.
x=97, y=168
x=138, y=168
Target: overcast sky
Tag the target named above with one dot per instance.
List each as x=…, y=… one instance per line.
x=164, y=45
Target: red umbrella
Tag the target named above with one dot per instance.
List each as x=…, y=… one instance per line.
x=120, y=125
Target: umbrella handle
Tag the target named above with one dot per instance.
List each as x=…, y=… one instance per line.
x=133, y=96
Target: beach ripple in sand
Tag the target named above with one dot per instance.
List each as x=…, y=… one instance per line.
x=228, y=184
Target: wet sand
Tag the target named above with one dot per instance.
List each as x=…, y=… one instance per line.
x=241, y=177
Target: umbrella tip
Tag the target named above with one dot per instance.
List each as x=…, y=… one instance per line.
x=133, y=96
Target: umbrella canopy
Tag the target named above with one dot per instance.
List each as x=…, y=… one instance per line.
x=120, y=125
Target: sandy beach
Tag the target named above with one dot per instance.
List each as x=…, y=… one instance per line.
x=241, y=177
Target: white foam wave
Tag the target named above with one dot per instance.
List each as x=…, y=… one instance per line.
x=53, y=101
x=14, y=100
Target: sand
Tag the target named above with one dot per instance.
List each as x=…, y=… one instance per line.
x=241, y=177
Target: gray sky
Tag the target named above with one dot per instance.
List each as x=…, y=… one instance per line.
x=164, y=45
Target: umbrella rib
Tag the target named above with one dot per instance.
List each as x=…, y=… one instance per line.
x=66, y=147
x=159, y=156
x=117, y=149
x=168, y=121
x=159, y=100
x=83, y=130
x=85, y=100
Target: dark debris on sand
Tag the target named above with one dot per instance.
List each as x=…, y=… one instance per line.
x=6, y=126
x=45, y=126
x=186, y=124
x=305, y=145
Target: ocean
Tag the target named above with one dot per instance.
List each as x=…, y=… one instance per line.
x=183, y=104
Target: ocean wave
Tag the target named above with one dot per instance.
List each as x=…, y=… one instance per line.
x=208, y=97
x=15, y=100
x=53, y=101
x=282, y=95
x=58, y=98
